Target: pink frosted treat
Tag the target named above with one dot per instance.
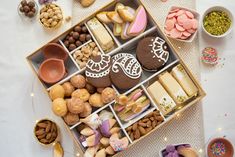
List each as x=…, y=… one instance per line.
x=209, y=56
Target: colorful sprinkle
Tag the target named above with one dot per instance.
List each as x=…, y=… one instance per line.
x=218, y=149
x=209, y=56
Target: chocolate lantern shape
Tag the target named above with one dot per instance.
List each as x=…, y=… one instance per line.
x=54, y=50
x=52, y=70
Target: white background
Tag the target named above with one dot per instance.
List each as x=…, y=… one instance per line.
x=17, y=116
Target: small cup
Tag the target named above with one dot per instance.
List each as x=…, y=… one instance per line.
x=54, y=50
x=22, y=15
x=52, y=70
x=228, y=146
x=197, y=17
x=218, y=8
x=56, y=138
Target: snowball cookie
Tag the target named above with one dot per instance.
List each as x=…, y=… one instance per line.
x=152, y=53
x=97, y=71
x=126, y=71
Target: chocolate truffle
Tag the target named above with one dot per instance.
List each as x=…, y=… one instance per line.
x=97, y=71
x=152, y=53
x=125, y=71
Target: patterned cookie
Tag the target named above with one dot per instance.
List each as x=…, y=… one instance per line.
x=152, y=53
x=97, y=71
x=125, y=71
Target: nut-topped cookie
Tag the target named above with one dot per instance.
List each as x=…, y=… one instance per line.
x=97, y=71
x=152, y=53
x=126, y=71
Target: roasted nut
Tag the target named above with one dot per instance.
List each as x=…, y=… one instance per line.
x=142, y=130
x=137, y=134
x=134, y=127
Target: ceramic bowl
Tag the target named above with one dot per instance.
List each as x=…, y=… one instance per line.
x=228, y=146
x=22, y=15
x=218, y=8
x=53, y=142
x=54, y=50
x=197, y=17
x=52, y=70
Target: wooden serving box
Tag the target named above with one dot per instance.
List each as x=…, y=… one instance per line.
x=129, y=46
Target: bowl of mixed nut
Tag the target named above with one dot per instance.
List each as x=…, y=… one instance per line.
x=51, y=16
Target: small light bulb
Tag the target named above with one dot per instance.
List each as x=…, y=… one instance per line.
x=77, y=154
x=219, y=129
x=178, y=115
x=179, y=47
x=37, y=121
x=165, y=138
x=180, y=107
x=200, y=151
x=32, y=94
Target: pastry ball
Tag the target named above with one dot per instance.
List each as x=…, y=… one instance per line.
x=82, y=94
x=57, y=91
x=59, y=107
x=125, y=71
x=152, y=53
x=97, y=71
x=71, y=118
x=95, y=100
x=108, y=95
x=75, y=105
x=87, y=110
x=78, y=81
x=68, y=88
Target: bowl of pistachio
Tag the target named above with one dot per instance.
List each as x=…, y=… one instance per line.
x=217, y=22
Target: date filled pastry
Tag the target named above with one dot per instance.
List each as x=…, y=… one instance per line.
x=184, y=80
x=173, y=88
x=152, y=53
x=126, y=71
x=98, y=70
x=101, y=34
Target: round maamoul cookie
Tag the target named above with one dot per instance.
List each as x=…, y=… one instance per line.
x=152, y=53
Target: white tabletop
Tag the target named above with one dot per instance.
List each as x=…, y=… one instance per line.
x=17, y=116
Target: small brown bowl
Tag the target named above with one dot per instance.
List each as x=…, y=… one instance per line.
x=54, y=50
x=228, y=146
x=52, y=70
x=53, y=131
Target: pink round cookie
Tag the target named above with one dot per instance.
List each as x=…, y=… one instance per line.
x=174, y=10
x=180, y=12
x=181, y=19
x=191, y=31
x=179, y=28
x=170, y=24
x=171, y=15
x=187, y=34
x=195, y=23
x=174, y=33
x=189, y=14
x=188, y=24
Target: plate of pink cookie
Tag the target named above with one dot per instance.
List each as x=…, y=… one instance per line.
x=181, y=24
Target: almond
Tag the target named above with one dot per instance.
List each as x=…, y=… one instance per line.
x=42, y=125
x=40, y=132
x=48, y=128
x=142, y=124
x=148, y=129
x=142, y=130
x=149, y=123
x=48, y=136
x=145, y=120
x=45, y=141
x=134, y=127
x=154, y=124
x=129, y=128
x=152, y=118
x=137, y=134
x=132, y=136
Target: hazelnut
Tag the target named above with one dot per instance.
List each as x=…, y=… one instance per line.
x=72, y=47
x=66, y=43
x=71, y=40
x=78, y=43
x=82, y=37
x=30, y=14
x=71, y=33
x=23, y=2
x=31, y=4
x=68, y=88
x=88, y=37
x=77, y=29
x=84, y=29
x=78, y=81
x=21, y=9
x=75, y=35
x=26, y=8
